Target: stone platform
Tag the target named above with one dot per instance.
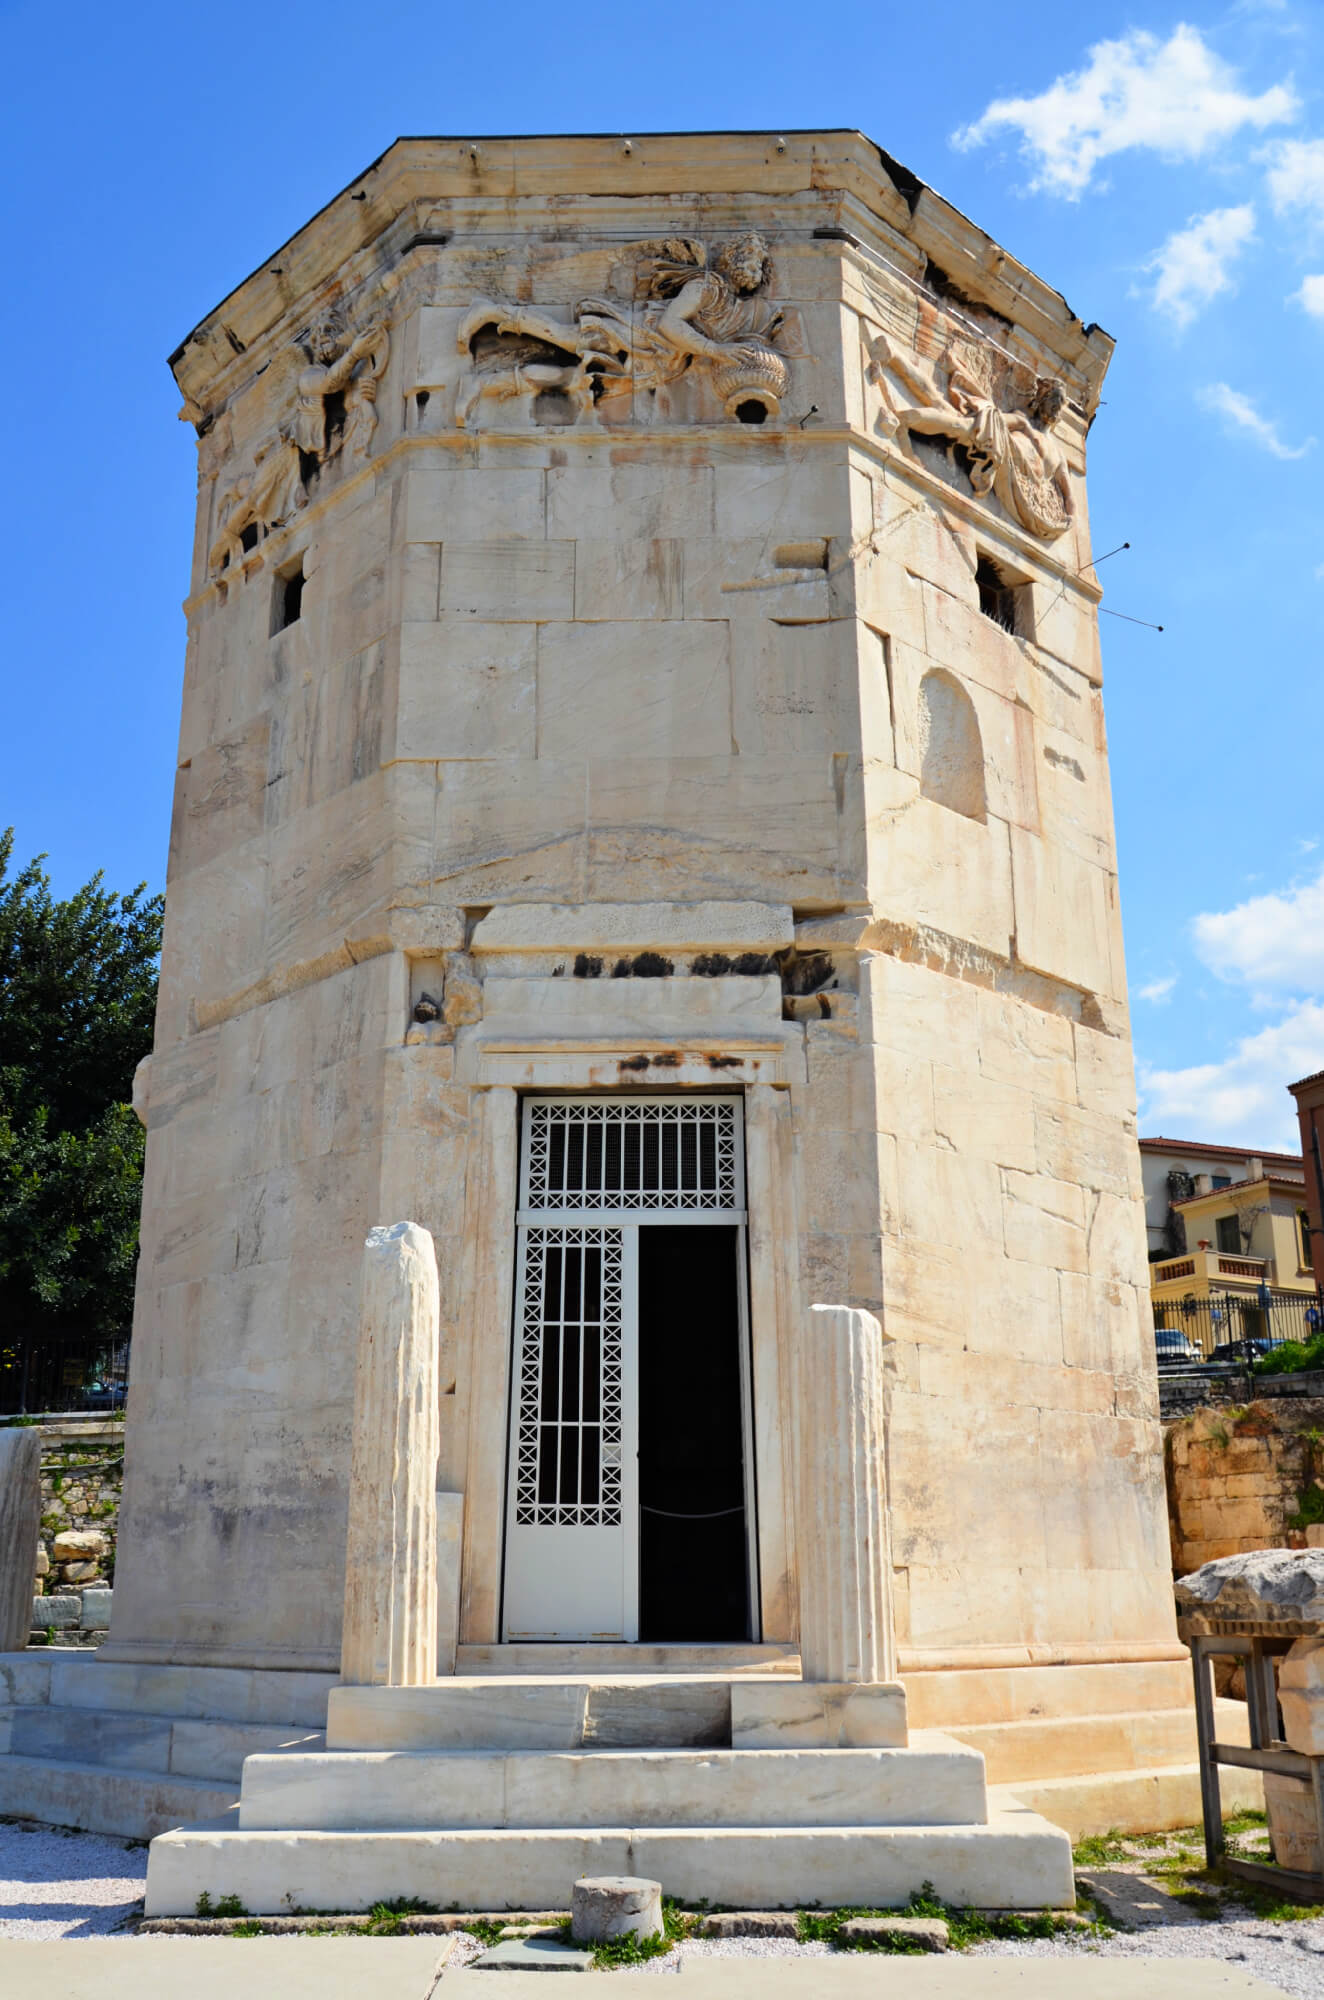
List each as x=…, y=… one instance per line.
x=508, y=1792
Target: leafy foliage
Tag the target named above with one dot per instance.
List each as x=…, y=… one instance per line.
x=1291, y=1357
x=77, y=997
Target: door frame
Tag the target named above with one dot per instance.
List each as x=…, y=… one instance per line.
x=629, y=1220
x=474, y=1417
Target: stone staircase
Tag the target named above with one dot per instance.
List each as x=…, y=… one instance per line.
x=485, y=1790
x=1092, y=1748
x=133, y=1750
x=137, y=1750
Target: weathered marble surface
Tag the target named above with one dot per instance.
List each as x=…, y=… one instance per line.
x=655, y=674
x=846, y=1630
x=20, y=1533
x=1268, y=1585
x=389, y=1636
x=613, y=1906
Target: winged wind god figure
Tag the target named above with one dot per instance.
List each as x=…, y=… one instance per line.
x=999, y=410
x=335, y=397
x=685, y=313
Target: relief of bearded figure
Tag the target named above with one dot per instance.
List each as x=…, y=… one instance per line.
x=687, y=312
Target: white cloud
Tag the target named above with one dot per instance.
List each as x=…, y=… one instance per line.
x=1175, y=97
x=1244, y=1098
x=1273, y=942
x=1158, y=990
x=1296, y=176
x=1241, y=413
x=1311, y=295
x=1193, y=264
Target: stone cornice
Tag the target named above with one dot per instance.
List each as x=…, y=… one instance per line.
x=537, y=169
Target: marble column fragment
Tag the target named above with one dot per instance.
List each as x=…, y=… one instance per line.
x=20, y=1527
x=846, y=1631
x=390, y=1628
x=847, y=1696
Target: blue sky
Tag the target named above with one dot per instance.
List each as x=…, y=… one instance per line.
x=1164, y=169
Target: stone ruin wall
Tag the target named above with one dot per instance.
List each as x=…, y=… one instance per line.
x=1245, y=1477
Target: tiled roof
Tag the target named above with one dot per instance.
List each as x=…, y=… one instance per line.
x=1222, y=1152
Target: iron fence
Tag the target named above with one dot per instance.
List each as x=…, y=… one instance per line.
x=62, y=1371
x=1236, y=1327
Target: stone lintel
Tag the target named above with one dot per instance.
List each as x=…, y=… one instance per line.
x=615, y=927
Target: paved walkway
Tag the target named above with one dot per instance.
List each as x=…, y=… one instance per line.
x=331, y=1968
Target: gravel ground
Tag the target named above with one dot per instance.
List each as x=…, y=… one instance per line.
x=66, y=1885
x=74, y=1885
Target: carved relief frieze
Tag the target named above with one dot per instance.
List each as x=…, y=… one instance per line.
x=995, y=409
x=332, y=414
x=686, y=311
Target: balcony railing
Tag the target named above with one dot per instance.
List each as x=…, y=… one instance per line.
x=1212, y=1265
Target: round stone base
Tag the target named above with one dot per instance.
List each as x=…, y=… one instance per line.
x=603, y=1907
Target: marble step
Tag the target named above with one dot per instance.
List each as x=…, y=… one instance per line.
x=120, y=1740
x=534, y=1713
x=1152, y=1801
x=1016, y=1861
x=77, y=1679
x=1068, y=1746
x=100, y=1798
x=593, y=1660
x=937, y=1783
x=951, y=1697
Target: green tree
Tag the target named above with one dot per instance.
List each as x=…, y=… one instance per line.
x=77, y=998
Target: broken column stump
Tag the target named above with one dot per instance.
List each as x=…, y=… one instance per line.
x=20, y=1527
x=390, y=1629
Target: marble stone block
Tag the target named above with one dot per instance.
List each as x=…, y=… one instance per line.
x=1301, y=1696
x=390, y=1629
x=20, y=1523
x=818, y=1715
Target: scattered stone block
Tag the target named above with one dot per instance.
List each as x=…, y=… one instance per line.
x=56, y=1611
x=81, y=1572
x=77, y=1545
x=614, y=1906
x=749, y=1923
x=1293, y=1834
x=43, y=1562
x=919, y=1933
x=96, y=1610
x=1267, y=1586
x=533, y=1954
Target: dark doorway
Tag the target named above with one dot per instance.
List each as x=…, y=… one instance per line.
x=692, y=1530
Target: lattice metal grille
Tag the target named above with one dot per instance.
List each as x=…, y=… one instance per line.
x=568, y=1463
x=663, y=1153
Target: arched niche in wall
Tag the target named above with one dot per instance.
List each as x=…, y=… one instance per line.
x=951, y=749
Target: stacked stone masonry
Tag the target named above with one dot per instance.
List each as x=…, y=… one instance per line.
x=617, y=738
x=1244, y=1478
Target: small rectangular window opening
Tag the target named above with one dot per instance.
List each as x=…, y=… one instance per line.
x=997, y=597
x=288, y=607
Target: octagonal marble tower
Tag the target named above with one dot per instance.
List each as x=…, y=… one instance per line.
x=643, y=814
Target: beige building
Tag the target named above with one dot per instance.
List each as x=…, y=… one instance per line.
x=643, y=814
x=1172, y=1170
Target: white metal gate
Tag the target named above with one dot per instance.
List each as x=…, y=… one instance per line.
x=591, y=1171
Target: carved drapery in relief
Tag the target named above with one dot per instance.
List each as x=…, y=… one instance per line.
x=334, y=414
x=992, y=405
x=686, y=312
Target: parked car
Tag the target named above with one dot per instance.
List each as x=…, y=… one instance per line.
x=1172, y=1349
x=102, y=1396
x=1251, y=1347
